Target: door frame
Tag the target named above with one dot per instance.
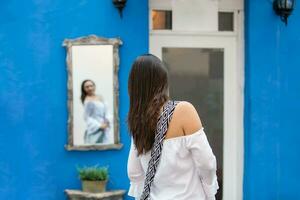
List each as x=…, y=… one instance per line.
x=233, y=45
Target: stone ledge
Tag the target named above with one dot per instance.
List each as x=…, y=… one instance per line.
x=108, y=195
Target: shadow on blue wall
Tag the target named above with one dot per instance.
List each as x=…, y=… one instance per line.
x=33, y=98
x=272, y=107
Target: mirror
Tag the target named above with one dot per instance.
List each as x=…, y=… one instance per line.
x=93, y=93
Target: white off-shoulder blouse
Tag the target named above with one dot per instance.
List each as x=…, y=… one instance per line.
x=187, y=170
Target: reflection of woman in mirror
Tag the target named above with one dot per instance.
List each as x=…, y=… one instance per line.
x=95, y=112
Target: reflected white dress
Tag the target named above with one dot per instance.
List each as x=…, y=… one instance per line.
x=95, y=113
x=187, y=170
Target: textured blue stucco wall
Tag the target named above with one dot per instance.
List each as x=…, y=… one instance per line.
x=272, y=104
x=33, y=92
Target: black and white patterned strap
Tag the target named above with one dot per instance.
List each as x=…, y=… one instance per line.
x=161, y=130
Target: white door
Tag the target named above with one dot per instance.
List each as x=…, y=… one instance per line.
x=203, y=70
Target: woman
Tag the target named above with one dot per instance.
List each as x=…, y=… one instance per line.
x=168, y=159
x=95, y=112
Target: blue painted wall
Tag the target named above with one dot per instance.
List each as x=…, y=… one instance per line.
x=33, y=77
x=33, y=112
x=272, y=104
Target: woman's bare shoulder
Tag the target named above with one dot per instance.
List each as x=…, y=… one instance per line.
x=188, y=117
x=99, y=97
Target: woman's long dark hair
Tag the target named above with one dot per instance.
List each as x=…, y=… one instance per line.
x=148, y=86
x=83, y=92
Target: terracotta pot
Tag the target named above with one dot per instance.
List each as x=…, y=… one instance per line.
x=93, y=186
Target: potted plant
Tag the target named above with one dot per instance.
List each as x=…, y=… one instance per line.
x=93, y=179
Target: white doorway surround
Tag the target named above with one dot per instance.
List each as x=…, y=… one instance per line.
x=195, y=24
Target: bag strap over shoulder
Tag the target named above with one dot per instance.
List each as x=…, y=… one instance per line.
x=161, y=130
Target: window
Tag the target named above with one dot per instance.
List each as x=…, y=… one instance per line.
x=161, y=19
x=226, y=21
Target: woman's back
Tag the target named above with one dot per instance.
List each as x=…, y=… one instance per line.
x=187, y=168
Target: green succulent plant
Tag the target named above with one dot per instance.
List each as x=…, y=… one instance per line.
x=93, y=173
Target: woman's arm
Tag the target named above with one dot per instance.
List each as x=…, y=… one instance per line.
x=205, y=162
x=200, y=149
x=135, y=172
x=107, y=117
